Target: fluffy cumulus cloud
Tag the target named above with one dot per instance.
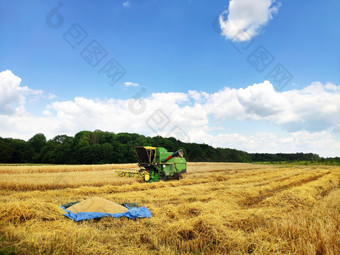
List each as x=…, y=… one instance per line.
x=314, y=108
x=306, y=120
x=244, y=18
x=12, y=95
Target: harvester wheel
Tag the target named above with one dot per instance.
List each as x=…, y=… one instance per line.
x=147, y=177
x=163, y=176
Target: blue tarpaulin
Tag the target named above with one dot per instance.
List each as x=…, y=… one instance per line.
x=132, y=213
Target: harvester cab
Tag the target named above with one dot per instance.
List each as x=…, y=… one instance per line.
x=146, y=155
x=156, y=163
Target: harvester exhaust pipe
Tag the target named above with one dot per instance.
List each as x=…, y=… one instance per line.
x=176, y=153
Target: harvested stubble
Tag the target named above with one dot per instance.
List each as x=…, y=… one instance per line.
x=97, y=204
x=217, y=208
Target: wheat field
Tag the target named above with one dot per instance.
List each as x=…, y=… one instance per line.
x=217, y=208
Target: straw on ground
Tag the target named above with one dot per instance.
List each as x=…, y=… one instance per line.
x=217, y=208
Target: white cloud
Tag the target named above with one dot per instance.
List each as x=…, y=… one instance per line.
x=314, y=108
x=47, y=113
x=126, y=4
x=306, y=120
x=50, y=96
x=246, y=17
x=131, y=84
x=12, y=95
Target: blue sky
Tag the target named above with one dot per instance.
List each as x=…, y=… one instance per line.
x=203, y=70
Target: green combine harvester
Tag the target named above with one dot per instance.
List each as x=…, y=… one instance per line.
x=156, y=163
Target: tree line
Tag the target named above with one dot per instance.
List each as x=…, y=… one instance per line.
x=99, y=147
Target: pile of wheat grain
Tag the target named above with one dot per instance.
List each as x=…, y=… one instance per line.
x=97, y=204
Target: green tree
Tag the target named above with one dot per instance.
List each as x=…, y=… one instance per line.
x=107, y=153
x=48, y=152
x=37, y=142
x=22, y=152
x=5, y=151
x=84, y=155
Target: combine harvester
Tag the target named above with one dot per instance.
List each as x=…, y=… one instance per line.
x=156, y=163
